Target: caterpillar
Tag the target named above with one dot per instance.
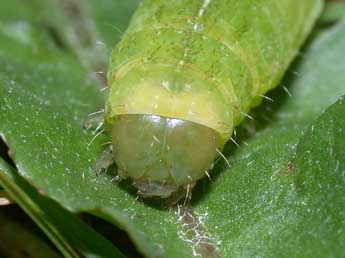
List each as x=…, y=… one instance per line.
x=185, y=74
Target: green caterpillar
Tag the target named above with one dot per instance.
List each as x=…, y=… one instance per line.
x=186, y=73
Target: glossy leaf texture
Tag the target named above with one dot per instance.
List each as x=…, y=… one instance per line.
x=281, y=197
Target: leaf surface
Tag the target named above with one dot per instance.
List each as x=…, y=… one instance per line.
x=259, y=206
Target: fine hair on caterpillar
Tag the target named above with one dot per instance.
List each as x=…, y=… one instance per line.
x=184, y=75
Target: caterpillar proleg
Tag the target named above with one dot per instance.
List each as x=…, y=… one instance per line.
x=185, y=74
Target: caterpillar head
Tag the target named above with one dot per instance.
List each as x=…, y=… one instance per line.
x=161, y=154
x=163, y=122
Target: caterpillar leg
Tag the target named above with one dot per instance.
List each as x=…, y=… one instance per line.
x=94, y=120
x=164, y=156
x=105, y=160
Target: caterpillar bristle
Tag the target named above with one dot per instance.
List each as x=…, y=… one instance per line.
x=113, y=26
x=208, y=175
x=222, y=155
x=96, y=112
x=247, y=115
x=94, y=138
x=266, y=97
x=233, y=140
x=99, y=126
x=101, y=43
x=188, y=196
x=287, y=91
x=99, y=72
x=106, y=143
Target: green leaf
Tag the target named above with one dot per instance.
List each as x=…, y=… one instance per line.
x=17, y=239
x=111, y=18
x=255, y=207
x=320, y=181
x=258, y=207
x=70, y=235
x=89, y=29
x=334, y=11
x=46, y=95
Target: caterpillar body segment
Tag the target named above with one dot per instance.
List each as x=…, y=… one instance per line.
x=198, y=66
